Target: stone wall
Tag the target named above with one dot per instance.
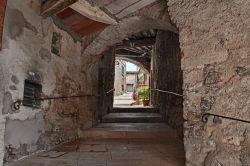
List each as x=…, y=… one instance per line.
x=26, y=52
x=167, y=76
x=106, y=76
x=215, y=40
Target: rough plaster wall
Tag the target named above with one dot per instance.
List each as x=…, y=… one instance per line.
x=26, y=47
x=215, y=40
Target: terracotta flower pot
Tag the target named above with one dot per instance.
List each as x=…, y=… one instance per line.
x=146, y=102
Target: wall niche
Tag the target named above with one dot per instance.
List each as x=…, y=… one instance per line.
x=56, y=43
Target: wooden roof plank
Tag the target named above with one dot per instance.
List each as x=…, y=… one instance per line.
x=52, y=7
x=93, y=27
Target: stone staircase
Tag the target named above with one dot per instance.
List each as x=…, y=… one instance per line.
x=133, y=115
x=131, y=123
x=133, y=118
x=128, y=131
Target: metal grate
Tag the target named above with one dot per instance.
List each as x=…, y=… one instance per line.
x=32, y=91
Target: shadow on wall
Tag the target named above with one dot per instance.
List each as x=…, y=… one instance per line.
x=168, y=76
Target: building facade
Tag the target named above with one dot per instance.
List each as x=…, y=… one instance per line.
x=120, y=77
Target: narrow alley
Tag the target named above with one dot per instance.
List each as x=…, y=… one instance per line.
x=124, y=83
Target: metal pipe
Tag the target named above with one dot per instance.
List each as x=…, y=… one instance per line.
x=111, y=90
x=17, y=104
x=169, y=92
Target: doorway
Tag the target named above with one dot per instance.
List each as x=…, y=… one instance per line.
x=130, y=82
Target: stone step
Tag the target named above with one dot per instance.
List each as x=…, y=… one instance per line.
x=134, y=109
x=157, y=131
x=132, y=118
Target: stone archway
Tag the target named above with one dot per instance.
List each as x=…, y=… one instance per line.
x=134, y=24
x=115, y=33
x=141, y=65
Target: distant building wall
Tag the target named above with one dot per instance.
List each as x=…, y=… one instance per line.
x=143, y=80
x=120, y=77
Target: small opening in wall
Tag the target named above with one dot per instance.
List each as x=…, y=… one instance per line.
x=32, y=91
x=56, y=43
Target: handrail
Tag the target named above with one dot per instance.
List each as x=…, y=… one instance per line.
x=206, y=115
x=109, y=91
x=17, y=104
x=169, y=92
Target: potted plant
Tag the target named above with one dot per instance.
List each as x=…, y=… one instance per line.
x=145, y=94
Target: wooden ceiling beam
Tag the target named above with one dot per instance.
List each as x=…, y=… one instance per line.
x=132, y=50
x=126, y=53
x=81, y=25
x=91, y=28
x=73, y=19
x=52, y=7
x=93, y=12
x=67, y=12
x=78, y=23
x=137, y=43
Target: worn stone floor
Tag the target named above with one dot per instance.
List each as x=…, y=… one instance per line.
x=123, y=100
x=143, y=144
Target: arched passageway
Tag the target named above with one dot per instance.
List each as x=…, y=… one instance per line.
x=164, y=66
x=165, y=75
x=57, y=79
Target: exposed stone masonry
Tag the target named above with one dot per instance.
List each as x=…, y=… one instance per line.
x=214, y=38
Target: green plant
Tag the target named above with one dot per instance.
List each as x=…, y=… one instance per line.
x=145, y=94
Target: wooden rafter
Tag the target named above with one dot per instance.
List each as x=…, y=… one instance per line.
x=78, y=23
x=127, y=52
x=52, y=7
x=137, y=43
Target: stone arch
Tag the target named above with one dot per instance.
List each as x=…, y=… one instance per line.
x=125, y=28
x=114, y=34
x=135, y=62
